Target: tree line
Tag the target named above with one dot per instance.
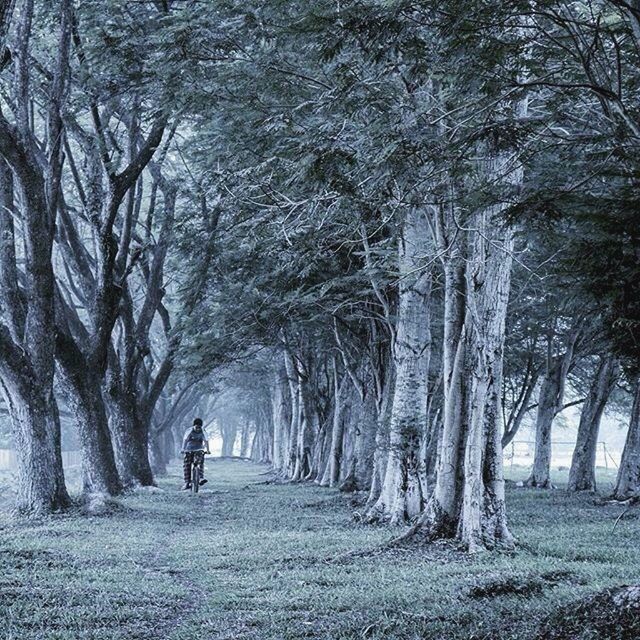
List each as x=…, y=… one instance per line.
x=384, y=234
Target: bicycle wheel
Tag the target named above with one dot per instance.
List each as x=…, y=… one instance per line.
x=195, y=477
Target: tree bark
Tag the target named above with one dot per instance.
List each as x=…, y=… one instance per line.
x=403, y=491
x=303, y=466
x=443, y=508
x=549, y=404
x=40, y=487
x=483, y=517
x=130, y=437
x=281, y=417
x=244, y=438
x=381, y=451
x=292, y=444
x=628, y=480
x=332, y=471
x=468, y=501
x=82, y=391
x=582, y=475
x=305, y=434
x=365, y=443
x=27, y=345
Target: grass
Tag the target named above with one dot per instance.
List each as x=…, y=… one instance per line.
x=249, y=560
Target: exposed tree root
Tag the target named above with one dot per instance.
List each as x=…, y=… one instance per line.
x=524, y=585
x=612, y=613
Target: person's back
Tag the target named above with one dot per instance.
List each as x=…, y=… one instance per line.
x=195, y=441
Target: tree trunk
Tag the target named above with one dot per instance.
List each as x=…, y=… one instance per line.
x=260, y=443
x=82, y=392
x=256, y=444
x=281, y=418
x=404, y=488
x=381, y=451
x=168, y=449
x=229, y=431
x=245, y=438
x=332, y=471
x=158, y=453
x=292, y=444
x=628, y=481
x=27, y=347
x=469, y=498
x=40, y=487
x=131, y=440
x=549, y=404
x=441, y=516
x=582, y=475
x=483, y=521
x=303, y=466
x=365, y=443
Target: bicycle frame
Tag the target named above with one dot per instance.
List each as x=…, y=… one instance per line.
x=197, y=464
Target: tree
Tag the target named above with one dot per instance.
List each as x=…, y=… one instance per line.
x=27, y=332
x=582, y=473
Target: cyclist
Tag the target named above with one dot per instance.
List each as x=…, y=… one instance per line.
x=195, y=440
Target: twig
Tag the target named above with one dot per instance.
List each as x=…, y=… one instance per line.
x=615, y=524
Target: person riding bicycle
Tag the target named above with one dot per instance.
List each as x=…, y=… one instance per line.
x=195, y=440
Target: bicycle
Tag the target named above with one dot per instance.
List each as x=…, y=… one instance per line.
x=197, y=463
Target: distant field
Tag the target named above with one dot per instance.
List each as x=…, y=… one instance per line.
x=250, y=560
x=605, y=478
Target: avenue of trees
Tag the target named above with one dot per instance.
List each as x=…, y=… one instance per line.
x=370, y=238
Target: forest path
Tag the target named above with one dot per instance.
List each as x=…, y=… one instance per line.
x=247, y=560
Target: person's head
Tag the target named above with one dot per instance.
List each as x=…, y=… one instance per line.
x=197, y=424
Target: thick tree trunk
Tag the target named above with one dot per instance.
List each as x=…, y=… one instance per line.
x=483, y=517
x=323, y=451
x=441, y=516
x=403, y=491
x=281, y=418
x=40, y=487
x=260, y=443
x=381, y=451
x=628, y=481
x=483, y=522
x=582, y=475
x=130, y=440
x=494, y=530
x=167, y=449
x=365, y=443
x=82, y=392
x=27, y=347
x=549, y=404
x=332, y=471
x=468, y=501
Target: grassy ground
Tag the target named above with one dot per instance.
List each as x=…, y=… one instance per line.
x=249, y=560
